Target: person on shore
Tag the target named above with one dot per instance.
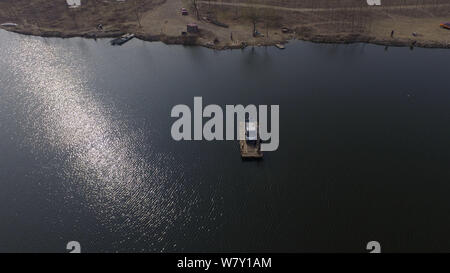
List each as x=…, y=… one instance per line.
x=231, y=36
x=392, y=34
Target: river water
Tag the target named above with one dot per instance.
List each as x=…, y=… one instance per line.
x=86, y=153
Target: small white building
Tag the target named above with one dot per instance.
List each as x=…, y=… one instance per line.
x=73, y=3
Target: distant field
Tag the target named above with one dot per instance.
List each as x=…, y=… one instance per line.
x=337, y=15
x=336, y=3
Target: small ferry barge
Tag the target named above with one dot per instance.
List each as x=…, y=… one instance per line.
x=249, y=143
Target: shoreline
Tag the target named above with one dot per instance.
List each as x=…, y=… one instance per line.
x=192, y=40
x=236, y=25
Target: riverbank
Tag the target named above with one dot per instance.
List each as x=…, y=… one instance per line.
x=161, y=20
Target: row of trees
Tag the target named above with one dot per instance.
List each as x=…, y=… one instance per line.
x=340, y=15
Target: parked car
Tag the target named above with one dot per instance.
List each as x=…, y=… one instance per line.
x=445, y=25
x=184, y=11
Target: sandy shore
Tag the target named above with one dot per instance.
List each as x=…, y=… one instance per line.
x=161, y=20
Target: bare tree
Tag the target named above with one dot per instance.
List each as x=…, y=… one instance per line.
x=195, y=7
x=269, y=17
x=253, y=13
x=137, y=7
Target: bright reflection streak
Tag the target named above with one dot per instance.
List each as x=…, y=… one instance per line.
x=122, y=188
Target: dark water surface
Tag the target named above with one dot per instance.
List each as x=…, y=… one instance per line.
x=86, y=152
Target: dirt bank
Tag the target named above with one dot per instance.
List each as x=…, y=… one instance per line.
x=231, y=23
